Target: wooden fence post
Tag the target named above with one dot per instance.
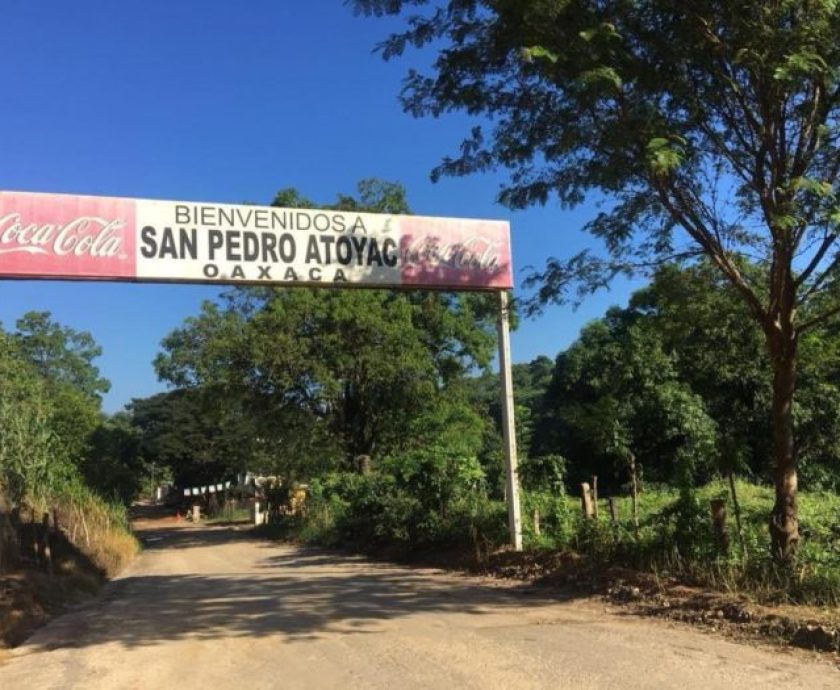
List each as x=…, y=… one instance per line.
x=595, y=497
x=586, y=500
x=28, y=538
x=44, y=547
x=613, y=511
x=14, y=519
x=719, y=523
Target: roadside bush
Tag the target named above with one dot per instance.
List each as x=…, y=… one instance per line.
x=100, y=529
x=557, y=519
x=402, y=513
x=436, y=476
x=675, y=538
x=402, y=508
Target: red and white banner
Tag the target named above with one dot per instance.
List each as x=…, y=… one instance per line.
x=102, y=238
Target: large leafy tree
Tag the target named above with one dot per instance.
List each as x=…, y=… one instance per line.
x=709, y=127
x=530, y=381
x=64, y=359
x=200, y=434
x=616, y=401
x=689, y=332
x=62, y=355
x=113, y=465
x=332, y=373
x=719, y=355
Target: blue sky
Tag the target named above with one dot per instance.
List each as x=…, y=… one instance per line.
x=228, y=101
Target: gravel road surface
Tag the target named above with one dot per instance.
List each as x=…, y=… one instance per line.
x=216, y=608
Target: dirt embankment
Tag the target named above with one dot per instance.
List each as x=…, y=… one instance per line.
x=46, y=571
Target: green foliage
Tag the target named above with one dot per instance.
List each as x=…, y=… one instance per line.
x=62, y=355
x=678, y=379
x=320, y=377
x=557, y=518
x=199, y=434
x=547, y=472
x=708, y=128
x=54, y=428
x=675, y=538
x=617, y=393
x=429, y=498
x=435, y=476
x=113, y=465
x=41, y=453
x=28, y=445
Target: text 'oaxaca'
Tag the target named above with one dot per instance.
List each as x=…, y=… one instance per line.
x=104, y=238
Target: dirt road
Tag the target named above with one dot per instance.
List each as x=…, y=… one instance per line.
x=207, y=607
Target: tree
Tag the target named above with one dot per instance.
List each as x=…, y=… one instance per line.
x=719, y=355
x=697, y=335
x=202, y=435
x=113, y=467
x=326, y=373
x=64, y=359
x=530, y=381
x=616, y=400
x=61, y=354
x=709, y=127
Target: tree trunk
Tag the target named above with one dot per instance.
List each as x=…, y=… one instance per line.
x=784, y=521
x=635, y=489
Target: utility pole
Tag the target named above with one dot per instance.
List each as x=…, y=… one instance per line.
x=508, y=423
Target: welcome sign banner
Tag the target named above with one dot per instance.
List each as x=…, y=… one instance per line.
x=102, y=238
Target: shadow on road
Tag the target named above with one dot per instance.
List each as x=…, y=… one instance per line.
x=299, y=594
x=187, y=537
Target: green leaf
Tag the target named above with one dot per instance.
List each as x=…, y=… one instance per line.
x=606, y=29
x=801, y=65
x=817, y=187
x=663, y=156
x=538, y=52
x=601, y=75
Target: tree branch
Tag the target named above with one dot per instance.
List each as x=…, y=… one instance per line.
x=812, y=266
x=694, y=227
x=820, y=280
x=822, y=318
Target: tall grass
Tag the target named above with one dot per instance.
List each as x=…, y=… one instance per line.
x=676, y=539
x=99, y=528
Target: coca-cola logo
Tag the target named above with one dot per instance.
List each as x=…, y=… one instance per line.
x=474, y=253
x=91, y=236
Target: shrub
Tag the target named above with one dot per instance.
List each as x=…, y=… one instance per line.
x=381, y=511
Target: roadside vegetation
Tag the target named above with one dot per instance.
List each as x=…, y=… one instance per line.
x=693, y=131
x=674, y=539
x=61, y=531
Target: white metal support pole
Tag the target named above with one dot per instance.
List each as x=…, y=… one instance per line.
x=508, y=424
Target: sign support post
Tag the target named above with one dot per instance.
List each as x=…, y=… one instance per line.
x=508, y=424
